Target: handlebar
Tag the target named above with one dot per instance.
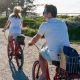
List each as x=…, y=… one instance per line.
x=41, y=47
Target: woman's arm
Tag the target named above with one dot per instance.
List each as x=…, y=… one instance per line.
x=7, y=25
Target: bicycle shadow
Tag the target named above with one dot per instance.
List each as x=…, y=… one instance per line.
x=17, y=74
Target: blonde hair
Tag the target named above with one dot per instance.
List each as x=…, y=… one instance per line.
x=16, y=12
x=17, y=9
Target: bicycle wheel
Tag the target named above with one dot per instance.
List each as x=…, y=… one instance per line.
x=20, y=58
x=9, y=51
x=36, y=71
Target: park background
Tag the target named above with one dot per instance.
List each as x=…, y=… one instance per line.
x=68, y=10
x=32, y=18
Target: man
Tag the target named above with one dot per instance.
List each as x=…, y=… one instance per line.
x=56, y=35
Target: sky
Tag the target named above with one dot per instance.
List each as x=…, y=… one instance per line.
x=63, y=6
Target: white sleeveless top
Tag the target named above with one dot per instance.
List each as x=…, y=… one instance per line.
x=15, y=25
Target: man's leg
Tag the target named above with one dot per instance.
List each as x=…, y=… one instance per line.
x=43, y=64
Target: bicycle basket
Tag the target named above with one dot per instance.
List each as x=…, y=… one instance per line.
x=20, y=40
x=72, y=64
x=72, y=60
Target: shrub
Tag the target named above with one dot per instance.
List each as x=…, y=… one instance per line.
x=30, y=23
x=33, y=23
x=2, y=21
x=74, y=33
x=29, y=32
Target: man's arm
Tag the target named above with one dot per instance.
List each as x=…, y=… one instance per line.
x=34, y=39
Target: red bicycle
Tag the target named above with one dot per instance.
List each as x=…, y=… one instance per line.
x=15, y=49
x=60, y=74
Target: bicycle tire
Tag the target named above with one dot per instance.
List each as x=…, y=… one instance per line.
x=9, y=51
x=36, y=71
x=20, y=58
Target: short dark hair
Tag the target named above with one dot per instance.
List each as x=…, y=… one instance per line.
x=52, y=9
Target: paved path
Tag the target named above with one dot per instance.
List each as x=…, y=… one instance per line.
x=9, y=71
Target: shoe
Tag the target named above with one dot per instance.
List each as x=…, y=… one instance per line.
x=42, y=78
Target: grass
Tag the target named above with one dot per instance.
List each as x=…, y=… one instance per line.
x=75, y=42
x=29, y=31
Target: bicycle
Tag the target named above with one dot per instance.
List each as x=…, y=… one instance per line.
x=15, y=49
x=61, y=74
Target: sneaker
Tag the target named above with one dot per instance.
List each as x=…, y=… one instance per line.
x=42, y=78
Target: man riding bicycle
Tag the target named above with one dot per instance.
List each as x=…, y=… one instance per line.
x=56, y=35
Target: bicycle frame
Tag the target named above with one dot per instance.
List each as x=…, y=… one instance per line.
x=14, y=46
x=47, y=70
x=47, y=73
x=57, y=75
x=15, y=49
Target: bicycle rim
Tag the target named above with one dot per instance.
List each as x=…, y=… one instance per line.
x=36, y=71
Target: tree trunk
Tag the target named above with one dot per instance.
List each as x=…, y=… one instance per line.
x=7, y=13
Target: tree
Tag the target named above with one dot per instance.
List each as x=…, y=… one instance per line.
x=9, y=4
x=4, y=5
x=26, y=5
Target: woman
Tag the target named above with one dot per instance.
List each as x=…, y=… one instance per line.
x=14, y=23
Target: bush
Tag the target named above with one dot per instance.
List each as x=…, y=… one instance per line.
x=30, y=23
x=74, y=33
x=73, y=22
x=29, y=32
x=33, y=23
x=2, y=21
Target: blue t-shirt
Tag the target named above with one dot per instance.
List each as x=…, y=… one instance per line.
x=56, y=35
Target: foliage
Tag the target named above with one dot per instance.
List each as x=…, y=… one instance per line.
x=31, y=26
x=29, y=32
x=9, y=4
x=73, y=22
x=33, y=23
x=29, y=23
x=3, y=5
x=75, y=42
x=63, y=16
x=74, y=33
x=2, y=21
x=28, y=5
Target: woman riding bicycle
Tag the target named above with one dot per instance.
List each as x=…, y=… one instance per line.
x=56, y=35
x=14, y=23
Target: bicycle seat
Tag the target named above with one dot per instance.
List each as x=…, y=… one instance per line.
x=56, y=63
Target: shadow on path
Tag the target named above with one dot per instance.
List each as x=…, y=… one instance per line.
x=17, y=74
